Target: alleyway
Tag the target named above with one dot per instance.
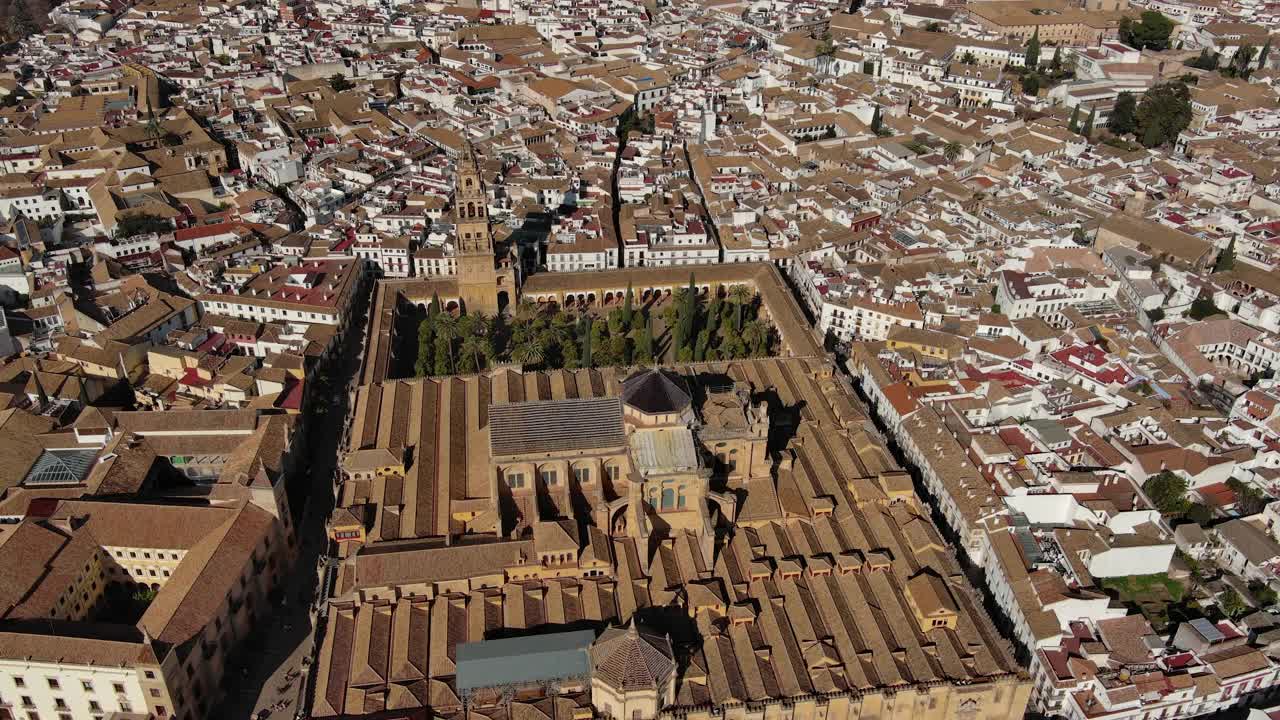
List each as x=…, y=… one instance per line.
x=269, y=676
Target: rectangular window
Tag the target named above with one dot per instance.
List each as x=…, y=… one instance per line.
x=550, y=477
x=582, y=475
x=515, y=480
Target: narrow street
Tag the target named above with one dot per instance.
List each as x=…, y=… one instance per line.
x=269, y=676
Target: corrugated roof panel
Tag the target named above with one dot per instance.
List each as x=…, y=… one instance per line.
x=555, y=425
x=517, y=661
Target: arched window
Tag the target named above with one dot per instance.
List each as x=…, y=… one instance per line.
x=668, y=499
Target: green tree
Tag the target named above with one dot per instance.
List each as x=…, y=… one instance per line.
x=935, y=27
x=1056, y=63
x=1227, y=259
x=1231, y=604
x=1164, y=112
x=21, y=24
x=1074, y=124
x=1168, y=492
x=619, y=350
x=688, y=319
x=968, y=58
x=1079, y=237
x=339, y=82
x=447, y=331
x=1033, y=50
x=755, y=338
x=1087, y=131
x=1249, y=499
x=951, y=151
x=1150, y=32
x=1242, y=60
x=1124, y=116
x=529, y=353
x=628, y=308
x=1199, y=514
x=617, y=321
x=475, y=349
x=1263, y=53
x=825, y=46
x=1202, y=308
x=700, y=345
x=441, y=355
x=426, y=345
x=740, y=296
x=587, y=360
x=1207, y=60
x=644, y=344
x=1031, y=84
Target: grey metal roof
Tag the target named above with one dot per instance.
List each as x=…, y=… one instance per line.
x=1051, y=431
x=1207, y=630
x=664, y=450
x=524, y=660
x=555, y=425
x=61, y=467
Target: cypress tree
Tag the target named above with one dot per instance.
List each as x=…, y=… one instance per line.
x=644, y=348
x=877, y=123
x=1074, y=125
x=1088, y=123
x=586, y=346
x=626, y=309
x=689, y=316
x=21, y=24
x=1033, y=51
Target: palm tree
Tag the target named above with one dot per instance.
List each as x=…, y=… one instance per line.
x=526, y=311
x=476, y=347
x=740, y=295
x=951, y=151
x=528, y=353
x=680, y=297
x=447, y=329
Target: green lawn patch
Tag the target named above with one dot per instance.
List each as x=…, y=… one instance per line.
x=1146, y=588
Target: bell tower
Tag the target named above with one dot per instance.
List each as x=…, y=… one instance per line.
x=478, y=276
